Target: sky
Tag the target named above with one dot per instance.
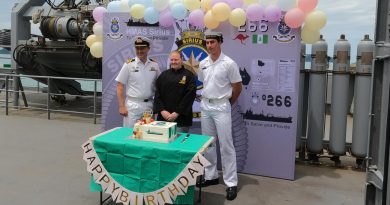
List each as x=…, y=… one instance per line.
x=354, y=18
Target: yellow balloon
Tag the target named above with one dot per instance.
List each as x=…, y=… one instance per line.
x=209, y=21
x=92, y=39
x=191, y=4
x=205, y=5
x=97, y=49
x=249, y=2
x=237, y=17
x=221, y=11
x=315, y=20
x=309, y=36
x=137, y=11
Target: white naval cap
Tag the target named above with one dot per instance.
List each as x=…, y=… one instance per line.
x=141, y=41
x=209, y=34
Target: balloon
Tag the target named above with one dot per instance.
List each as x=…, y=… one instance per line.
x=205, y=5
x=191, y=4
x=137, y=11
x=232, y=3
x=124, y=6
x=255, y=12
x=294, y=18
x=114, y=6
x=160, y=5
x=209, y=21
x=235, y=3
x=179, y=11
x=166, y=19
x=173, y=2
x=196, y=18
x=268, y=2
x=307, y=5
x=310, y=36
x=92, y=39
x=249, y=2
x=272, y=13
x=286, y=5
x=237, y=17
x=220, y=11
x=145, y=3
x=151, y=15
x=97, y=13
x=96, y=49
x=98, y=29
x=315, y=20
x=148, y=3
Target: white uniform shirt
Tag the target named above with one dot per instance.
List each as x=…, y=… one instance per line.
x=218, y=76
x=139, y=78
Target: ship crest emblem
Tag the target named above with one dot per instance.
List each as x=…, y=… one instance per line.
x=283, y=35
x=114, y=29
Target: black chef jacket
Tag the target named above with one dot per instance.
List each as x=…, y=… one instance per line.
x=175, y=92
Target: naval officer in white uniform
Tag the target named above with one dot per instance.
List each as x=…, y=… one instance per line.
x=221, y=88
x=137, y=77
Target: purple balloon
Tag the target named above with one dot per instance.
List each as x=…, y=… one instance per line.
x=273, y=13
x=234, y=3
x=196, y=18
x=98, y=12
x=255, y=12
x=166, y=19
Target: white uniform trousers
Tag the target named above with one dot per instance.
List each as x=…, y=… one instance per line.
x=135, y=111
x=219, y=124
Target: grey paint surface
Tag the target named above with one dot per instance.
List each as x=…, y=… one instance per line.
x=42, y=164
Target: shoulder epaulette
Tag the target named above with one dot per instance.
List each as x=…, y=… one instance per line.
x=130, y=60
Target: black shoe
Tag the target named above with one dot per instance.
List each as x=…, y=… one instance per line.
x=205, y=183
x=231, y=193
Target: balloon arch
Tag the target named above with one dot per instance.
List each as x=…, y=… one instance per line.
x=210, y=13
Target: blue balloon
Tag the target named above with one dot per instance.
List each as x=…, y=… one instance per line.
x=151, y=15
x=114, y=6
x=179, y=11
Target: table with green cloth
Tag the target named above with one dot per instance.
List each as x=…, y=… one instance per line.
x=143, y=166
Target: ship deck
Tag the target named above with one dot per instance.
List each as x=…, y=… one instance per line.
x=42, y=164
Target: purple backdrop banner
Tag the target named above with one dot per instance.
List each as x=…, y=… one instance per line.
x=264, y=121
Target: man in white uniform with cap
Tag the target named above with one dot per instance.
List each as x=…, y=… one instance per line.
x=137, y=77
x=221, y=88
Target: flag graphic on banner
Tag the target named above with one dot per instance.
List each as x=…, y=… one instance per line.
x=259, y=39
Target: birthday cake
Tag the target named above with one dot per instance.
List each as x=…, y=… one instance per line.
x=155, y=131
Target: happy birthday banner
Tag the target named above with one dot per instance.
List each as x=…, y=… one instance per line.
x=167, y=194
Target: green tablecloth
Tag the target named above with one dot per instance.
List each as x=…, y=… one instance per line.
x=143, y=166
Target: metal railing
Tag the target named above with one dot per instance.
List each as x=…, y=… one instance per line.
x=7, y=77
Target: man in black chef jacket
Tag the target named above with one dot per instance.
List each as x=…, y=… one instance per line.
x=175, y=94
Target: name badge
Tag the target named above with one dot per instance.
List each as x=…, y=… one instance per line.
x=183, y=80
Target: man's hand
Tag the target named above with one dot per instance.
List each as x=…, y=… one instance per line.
x=165, y=114
x=123, y=111
x=173, y=116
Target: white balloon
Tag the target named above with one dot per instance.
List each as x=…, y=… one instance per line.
x=268, y=2
x=97, y=29
x=124, y=6
x=160, y=5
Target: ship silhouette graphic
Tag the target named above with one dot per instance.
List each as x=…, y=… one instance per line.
x=268, y=117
